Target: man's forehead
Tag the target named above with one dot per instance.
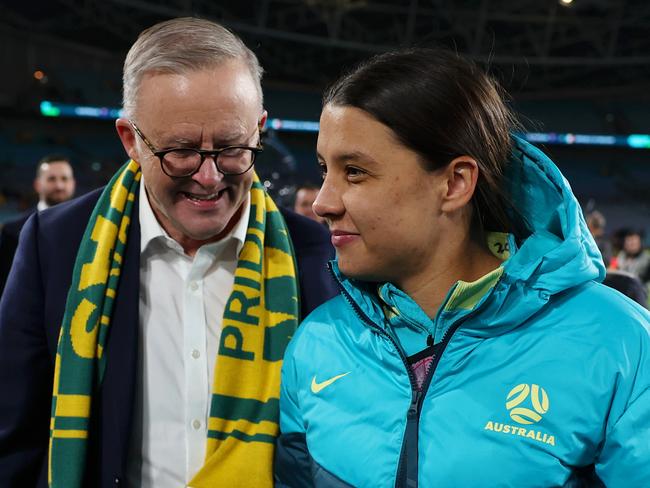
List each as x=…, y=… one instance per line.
x=223, y=97
x=218, y=131
x=56, y=165
x=234, y=70
x=307, y=193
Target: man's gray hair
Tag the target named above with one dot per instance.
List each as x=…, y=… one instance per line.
x=180, y=46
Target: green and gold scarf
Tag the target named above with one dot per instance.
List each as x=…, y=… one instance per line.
x=260, y=317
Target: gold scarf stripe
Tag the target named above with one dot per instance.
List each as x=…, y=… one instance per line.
x=74, y=405
x=234, y=366
x=247, y=274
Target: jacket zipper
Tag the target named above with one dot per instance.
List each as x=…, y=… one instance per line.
x=407, y=473
x=406, y=477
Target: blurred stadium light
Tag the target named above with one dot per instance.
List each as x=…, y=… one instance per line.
x=635, y=141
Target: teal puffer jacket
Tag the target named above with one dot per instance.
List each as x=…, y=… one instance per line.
x=541, y=379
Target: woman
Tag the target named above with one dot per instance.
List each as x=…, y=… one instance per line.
x=471, y=344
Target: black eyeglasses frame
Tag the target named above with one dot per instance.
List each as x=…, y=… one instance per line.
x=203, y=154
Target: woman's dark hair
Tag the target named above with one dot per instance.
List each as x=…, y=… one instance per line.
x=441, y=106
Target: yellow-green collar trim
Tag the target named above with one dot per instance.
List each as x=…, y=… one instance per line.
x=467, y=295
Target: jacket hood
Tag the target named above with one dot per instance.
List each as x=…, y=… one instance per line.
x=553, y=253
x=557, y=251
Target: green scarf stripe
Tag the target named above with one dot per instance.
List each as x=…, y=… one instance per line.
x=215, y=434
x=251, y=266
x=281, y=287
x=233, y=408
x=247, y=282
x=276, y=240
x=70, y=423
x=276, y=340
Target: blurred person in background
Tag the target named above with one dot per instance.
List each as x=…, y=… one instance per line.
x=633, y=258
x=305, y=196
x=628, y=284
x=54, y=181
x=54, y=184
x=471, y=343
x=143, y=325
x=597, y=223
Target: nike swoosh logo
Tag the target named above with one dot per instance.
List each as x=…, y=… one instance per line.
x=317, y=387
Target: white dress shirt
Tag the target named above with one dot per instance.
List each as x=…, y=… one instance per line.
x=182, y=300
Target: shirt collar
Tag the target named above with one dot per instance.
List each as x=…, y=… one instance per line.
x=41, y=205
x=150, y=228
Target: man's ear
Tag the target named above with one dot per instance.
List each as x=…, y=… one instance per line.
x=462, y=175
x=262, y=121
x=127, y=136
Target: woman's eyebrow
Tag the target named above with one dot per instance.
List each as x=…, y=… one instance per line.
x=351, y=156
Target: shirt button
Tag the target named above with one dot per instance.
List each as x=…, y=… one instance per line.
x=196, y=424
x=196, y=354
x=194, y=286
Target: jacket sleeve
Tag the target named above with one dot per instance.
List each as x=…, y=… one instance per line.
x=26, y=369
x=8, y=243
x=625, y=455
x=292, y=459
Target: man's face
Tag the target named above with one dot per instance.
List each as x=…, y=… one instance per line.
x=55, y=182
x=305, y=198
x=205, y=109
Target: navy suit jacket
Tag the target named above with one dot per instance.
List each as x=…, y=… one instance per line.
x=8, y=245
x=31, y=311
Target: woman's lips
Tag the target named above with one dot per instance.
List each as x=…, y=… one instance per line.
x=341, y=238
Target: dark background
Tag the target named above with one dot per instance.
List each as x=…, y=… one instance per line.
x=582, y=68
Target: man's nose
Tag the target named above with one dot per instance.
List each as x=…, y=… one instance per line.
x=208, y=174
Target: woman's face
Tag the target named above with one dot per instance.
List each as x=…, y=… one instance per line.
x=632, y=244
x=382, y=206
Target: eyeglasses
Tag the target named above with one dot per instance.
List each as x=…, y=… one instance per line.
x=181, y=162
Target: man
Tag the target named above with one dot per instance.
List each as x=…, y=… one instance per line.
x=305, y=197
x=183, y=296
x=54, y=183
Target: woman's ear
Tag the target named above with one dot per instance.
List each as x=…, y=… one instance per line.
x=462, y=175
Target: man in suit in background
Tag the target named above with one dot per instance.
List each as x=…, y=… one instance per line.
x=305, y=196
x=210, y=273
x=54, y=183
